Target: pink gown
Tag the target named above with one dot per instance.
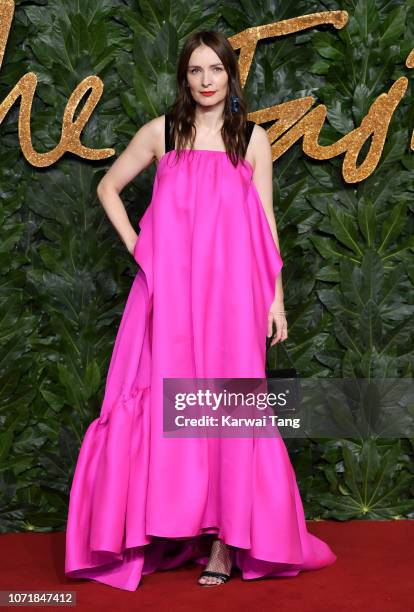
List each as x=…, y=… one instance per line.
x=197, y=307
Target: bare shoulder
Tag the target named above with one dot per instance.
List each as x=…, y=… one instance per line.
x=150, y=137
x=156, y=126
x=145, y=147
x=259, y=134
x=260, y=148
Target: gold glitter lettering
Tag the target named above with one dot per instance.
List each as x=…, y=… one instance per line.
x=25, y=89
x=247, y=40
x=293, y=119
x=409, y=62
x=375, y=123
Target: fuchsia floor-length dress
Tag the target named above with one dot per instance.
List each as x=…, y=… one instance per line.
x=198, y=307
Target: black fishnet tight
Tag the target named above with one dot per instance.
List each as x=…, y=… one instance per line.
x=220, y=561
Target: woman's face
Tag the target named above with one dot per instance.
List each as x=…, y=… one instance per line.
x=206, y=72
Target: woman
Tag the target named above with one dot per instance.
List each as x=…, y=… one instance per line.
x=207, y=292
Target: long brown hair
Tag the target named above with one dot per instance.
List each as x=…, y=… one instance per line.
x=182, y=111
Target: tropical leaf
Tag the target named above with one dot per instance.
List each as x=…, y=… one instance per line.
x=348, y=275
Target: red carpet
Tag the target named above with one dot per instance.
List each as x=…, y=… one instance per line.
x=373, y=572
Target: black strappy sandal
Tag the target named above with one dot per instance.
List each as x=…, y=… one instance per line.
x=223, y=577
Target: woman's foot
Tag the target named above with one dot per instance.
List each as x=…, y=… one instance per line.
x=220, y=561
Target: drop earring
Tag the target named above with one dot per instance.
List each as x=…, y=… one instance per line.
x=235, y=104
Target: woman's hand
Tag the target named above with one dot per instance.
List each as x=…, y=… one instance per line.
x=131, y=244
x=277, y=316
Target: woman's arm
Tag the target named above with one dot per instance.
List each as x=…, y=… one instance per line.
x=137, y=156
x=263, y=180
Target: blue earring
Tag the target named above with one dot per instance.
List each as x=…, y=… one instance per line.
x=235, y=104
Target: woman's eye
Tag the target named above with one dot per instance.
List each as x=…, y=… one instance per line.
x=216, y=68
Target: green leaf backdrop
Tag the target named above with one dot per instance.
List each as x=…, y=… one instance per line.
x=348, y=249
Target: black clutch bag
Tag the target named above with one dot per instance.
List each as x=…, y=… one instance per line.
x=289, y=377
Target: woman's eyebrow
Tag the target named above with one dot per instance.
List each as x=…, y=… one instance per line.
x=211, y=66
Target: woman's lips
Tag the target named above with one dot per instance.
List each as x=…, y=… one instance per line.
x=207, y=93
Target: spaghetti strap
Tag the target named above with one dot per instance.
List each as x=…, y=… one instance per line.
x=249, y=129
x=168, y=139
